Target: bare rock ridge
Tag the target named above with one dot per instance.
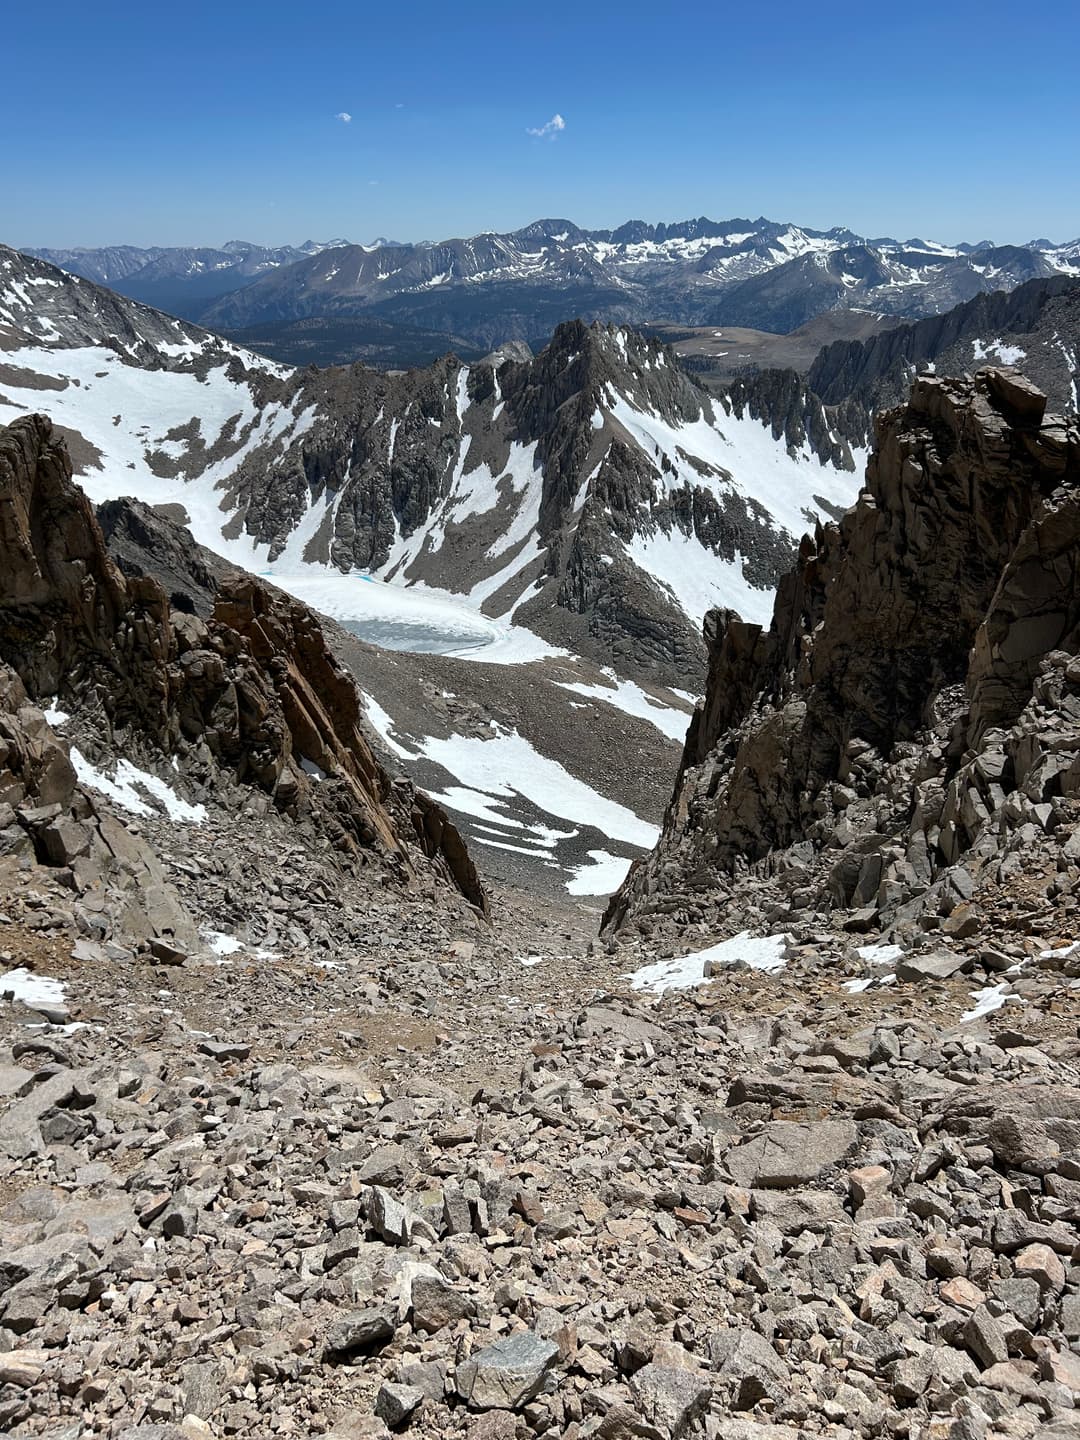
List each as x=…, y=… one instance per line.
x=1038, y=324
x=249, y=699
x=905, y=738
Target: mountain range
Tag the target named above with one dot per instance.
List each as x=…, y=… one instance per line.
x=484, y=290
x=595, y=486
x=564, y=520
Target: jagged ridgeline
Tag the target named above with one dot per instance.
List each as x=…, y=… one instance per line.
x=594, y=494
x=903, y=742
x=247, y=709
x=488, y=288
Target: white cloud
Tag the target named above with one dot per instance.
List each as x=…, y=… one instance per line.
x=343, y=116
x=549, y=130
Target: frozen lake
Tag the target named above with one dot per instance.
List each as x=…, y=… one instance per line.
x=407, y=635
x=414, y=618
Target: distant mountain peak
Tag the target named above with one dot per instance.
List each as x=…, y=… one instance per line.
x=492, y=287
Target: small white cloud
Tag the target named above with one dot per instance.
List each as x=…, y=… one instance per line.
x=343, y=116
x=548, y=131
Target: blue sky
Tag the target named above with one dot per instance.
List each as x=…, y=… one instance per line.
x=205, y=122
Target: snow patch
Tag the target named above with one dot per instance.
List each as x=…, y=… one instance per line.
x=507, y=766
x=879, y=954
x=758, y=952
x=624, y=695
x=997, y=350
x=602, y=876
x=123, y=789
x=22, y=984
x=987, y=1000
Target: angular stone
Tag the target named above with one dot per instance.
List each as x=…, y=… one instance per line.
x=1041, y=1264
x=869, y=1187
x=23, y=1368
x=793, y=1211
x=361, y=1330
x=1013, y=1231
x=225, y=1049
x=388, y=1217
x=1016, y=395
x=749, y=1364
x=1063, y=1368
x=789, y=1153
x=932, y=965
x=395, y=1403
x=508, y=1374
x=985, y=1338
x=962, y=1294
x=436, y=1303
x=670, y=1398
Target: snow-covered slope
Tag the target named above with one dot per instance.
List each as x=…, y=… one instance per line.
x=592, y=499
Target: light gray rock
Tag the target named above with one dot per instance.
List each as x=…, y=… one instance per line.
x=670, y=1397
x=748, y=1364
x=789, y=1153
x=395, y=1403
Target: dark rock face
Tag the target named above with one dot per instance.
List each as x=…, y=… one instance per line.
x=252, y=696
x=1041, y=318
x=142, y=542
x=870, y=724
x=69, y=616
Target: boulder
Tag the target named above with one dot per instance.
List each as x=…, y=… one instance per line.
x=788, y=1153
x=508, y=1374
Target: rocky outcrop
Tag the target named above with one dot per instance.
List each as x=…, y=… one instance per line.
x=47, y=818
x=913, y=710
x=142, y=541
x=1038, y=323
x=249, y=697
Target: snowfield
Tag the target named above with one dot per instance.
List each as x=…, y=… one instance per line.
x=758, y=952
x=501, y=782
